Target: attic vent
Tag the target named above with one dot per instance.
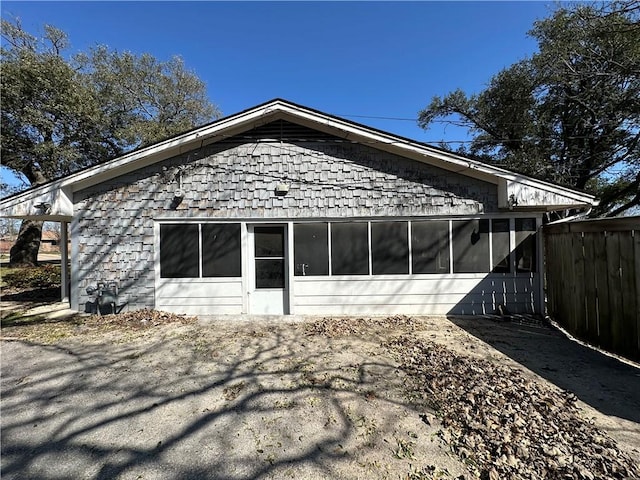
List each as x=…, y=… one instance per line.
x=282, y=130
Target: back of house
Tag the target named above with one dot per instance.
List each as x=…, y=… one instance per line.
x=282, y=209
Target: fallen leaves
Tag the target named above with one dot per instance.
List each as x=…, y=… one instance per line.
x=505, y=425
x=137, y=319
x=232, y=391
x=52, y=330
x=348, y=326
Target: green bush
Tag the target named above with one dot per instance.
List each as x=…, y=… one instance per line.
x=45, y=276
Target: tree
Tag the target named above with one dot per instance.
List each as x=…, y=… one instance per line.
x=570, y=113
x=60, y=114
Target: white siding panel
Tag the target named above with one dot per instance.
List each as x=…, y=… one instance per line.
x=199, y=288
x=468, y=294
x=411, y=284
x=203, y=310
x=201, y=296
x=415, y=294
x=202, y=301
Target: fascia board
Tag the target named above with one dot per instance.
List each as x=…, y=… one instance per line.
x=166, y=149
x=529, y=194
x=388, y=142
x=22, y=204
x=49, y=202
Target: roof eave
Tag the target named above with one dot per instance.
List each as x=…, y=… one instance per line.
x=509, y=183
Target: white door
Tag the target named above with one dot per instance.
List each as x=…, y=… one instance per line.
x=268, y=270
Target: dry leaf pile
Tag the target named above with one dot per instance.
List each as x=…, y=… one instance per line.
x=504, y=425
x=51, y=330
x=144, y=318
x=347, y=326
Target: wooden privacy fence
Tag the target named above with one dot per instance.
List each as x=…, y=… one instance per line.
x=593, y=281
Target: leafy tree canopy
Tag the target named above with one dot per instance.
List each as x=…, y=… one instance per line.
x=61, y=113
x=64, y=112
x=570, y=113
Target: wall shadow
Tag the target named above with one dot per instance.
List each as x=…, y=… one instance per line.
x=603, y=382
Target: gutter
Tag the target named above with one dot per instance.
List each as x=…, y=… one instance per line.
x=577, y=216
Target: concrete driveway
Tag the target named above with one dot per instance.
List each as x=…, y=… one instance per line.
x=221, y=400
x=254, y=398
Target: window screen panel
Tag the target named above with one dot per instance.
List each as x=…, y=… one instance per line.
x=179, y=251
x=221, y=252
x=311, y=249
x=389, y=248
x=430, y=246
x=269, y=241
x=470, y=246
x=350, y=248
x=526, y=257
x=269, y=273
x=500, y=245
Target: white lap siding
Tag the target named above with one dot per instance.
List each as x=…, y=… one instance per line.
x=459, y=294
x=362, y=295
x=200, y=296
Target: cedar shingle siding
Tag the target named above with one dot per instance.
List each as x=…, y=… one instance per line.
x=236, y=178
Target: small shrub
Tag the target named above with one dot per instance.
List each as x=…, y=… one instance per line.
x=45, y=276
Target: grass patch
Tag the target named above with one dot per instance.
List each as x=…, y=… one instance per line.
x=30, y=278
x=18, y=319
x=39, y=328
x=46, y=328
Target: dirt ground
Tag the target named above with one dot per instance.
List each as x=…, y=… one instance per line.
x=244, y=398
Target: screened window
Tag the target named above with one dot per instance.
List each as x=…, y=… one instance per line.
x=430, y=246
x=470, y=246
x=350, y=248
x=525, y=244
x=389, y=247
x=311, y=249
x=500, y=245
x=179, y=251
x=221, y=255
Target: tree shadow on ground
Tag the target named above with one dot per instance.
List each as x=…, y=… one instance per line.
x=43, y=295
x=605, y=383
x=224, y=403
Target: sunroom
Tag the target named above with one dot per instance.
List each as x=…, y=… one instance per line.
x=428, y=266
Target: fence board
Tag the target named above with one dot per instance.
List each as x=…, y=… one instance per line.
x=590, y=298
x=569, y=301
x=628, y=292
x=578, y=284
x=593, y=281
x=602, y=290
x=612, y=241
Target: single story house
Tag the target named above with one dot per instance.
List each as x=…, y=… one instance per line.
x=283, y=209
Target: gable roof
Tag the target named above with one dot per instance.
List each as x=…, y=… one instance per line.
x=54, y=200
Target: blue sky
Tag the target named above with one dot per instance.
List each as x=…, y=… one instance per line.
x=351, y=59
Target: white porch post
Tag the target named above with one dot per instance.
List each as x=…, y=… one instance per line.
x=64, y=261
x=542, y=304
